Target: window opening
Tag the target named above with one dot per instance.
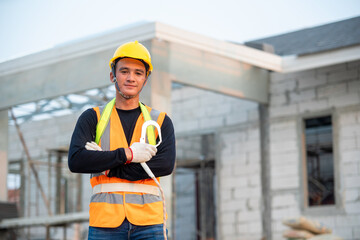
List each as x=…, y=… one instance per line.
x=319, y=161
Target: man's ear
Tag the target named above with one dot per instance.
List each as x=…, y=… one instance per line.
x=112, y=77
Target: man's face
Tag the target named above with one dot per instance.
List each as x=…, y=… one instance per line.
x=131, y=76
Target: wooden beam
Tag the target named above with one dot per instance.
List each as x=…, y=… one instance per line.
x=45, y=220
x=4, y=133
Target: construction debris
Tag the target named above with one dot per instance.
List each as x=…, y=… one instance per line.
x=303, y=228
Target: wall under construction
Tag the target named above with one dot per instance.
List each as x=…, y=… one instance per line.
x=234, y=123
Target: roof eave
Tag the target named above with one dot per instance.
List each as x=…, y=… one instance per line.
x=321, y=59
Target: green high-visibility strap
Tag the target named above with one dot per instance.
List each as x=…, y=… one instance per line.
x=150, y=129
x=105, y=116
x=104, y=120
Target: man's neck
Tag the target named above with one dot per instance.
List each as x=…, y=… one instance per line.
x=126, y=104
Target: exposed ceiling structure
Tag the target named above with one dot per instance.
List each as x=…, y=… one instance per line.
x=62, y=105
x=177, y=52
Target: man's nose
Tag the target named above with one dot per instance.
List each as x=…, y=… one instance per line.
x=130, y=76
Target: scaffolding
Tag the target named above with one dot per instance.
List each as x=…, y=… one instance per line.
x=56, y=190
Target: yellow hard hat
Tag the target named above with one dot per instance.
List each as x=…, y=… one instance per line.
x=132, y=50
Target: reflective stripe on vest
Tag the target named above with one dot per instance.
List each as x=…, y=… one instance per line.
x=117, y=198
x=126, y=187
x=130, y=198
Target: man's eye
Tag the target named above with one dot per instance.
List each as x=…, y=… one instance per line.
x=123, y=71
x=139, y=73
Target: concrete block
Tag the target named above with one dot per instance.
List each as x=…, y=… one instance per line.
x=331, y=90
x=350, y=156
x=352, y=195
x=352, y=182
x=353, y=65
x=354, y=86
x=253, y=134
x=348, y=143
x=280, y=214
x=278, y=226
x=347, y=221
x=283, y=183
x=253, y=158
x=331, y=69
x=278, y=126
x=242, y=228
x=228, y=218
x=349, y=131
x=231, y=182
x=278, y=77
x=284, y=170
x=284, y=134
x=232, y=206
x=247, y=170
x=350, y=169
x=245, y=193
x=236, y=118
x=285, y=200
x=352, y=208
x=250, y=146
x=255, y=228
x=348, y=119
x=253, y=115
x=254, y=181
x=282, y=87
x=253, y=204
x=190, y=103
x=285, y=146
x=313, y=106
x=278, y=99
x=226, y=195
x=214, y=122
x=304, y=95
x=340, y=76
x=311, y=81
x=344, y=100
x=221, y=109
x=187, y=126
x=248, y=216
x=285, y=158
x=282, y=111
x=228, y=230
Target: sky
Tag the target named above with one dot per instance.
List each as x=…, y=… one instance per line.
x=28, y=26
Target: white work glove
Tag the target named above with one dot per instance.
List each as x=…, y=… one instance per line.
x=142, y=152
x=92, y=146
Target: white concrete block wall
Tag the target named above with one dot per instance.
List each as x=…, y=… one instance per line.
x=334, y=89
x=239, y=184
x=195, y=109
x=349, y=151
x=239, y=189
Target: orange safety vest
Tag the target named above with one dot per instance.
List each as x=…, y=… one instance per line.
x=138, y=201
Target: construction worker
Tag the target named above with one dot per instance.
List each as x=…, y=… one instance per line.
x=125, y=203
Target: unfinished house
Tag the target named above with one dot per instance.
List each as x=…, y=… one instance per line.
x=267, y=130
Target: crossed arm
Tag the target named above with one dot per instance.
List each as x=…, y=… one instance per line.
x=82, y=160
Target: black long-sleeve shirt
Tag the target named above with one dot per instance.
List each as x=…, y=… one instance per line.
x=86, y=161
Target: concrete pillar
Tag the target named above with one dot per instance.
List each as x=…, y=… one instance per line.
x=3, y=154
x=265, y=170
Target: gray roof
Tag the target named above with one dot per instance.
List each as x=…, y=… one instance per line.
x=312, y=40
